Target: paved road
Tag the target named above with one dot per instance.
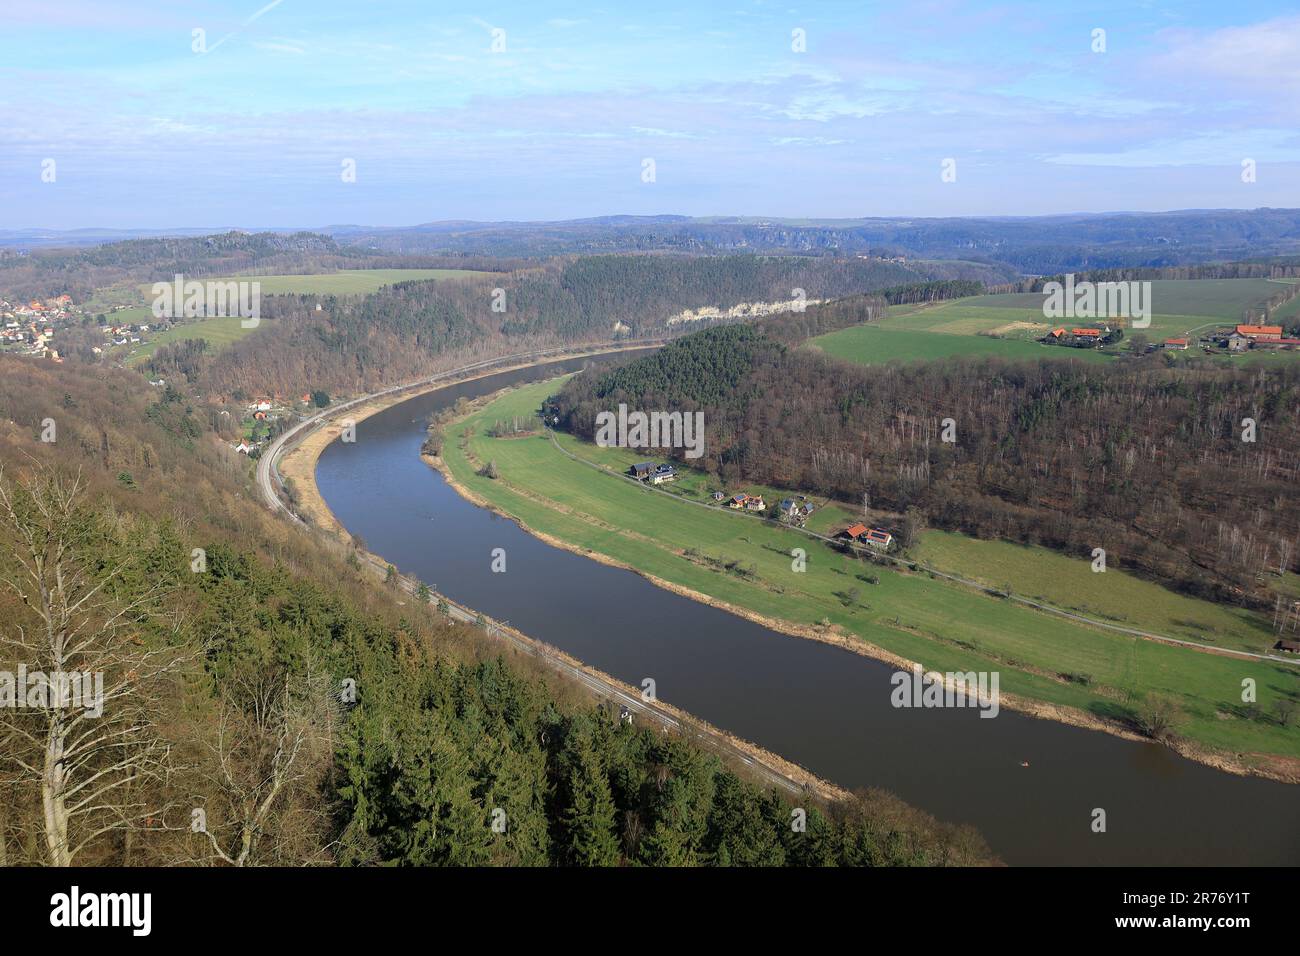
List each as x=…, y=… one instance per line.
x=268, y=477
x=600, y=685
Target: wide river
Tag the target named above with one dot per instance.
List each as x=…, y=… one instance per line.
x=825, y=708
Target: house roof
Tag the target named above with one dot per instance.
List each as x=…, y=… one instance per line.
x=875, y=534
x=1085, y=331
x=1274, y=330
x=1175, y=341
x=856, y=531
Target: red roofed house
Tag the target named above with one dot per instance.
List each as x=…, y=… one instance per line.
x=855, y=532
x=1260, y=331
x=1086, y=333
x=1176, y=344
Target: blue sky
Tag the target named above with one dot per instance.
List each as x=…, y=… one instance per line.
x=144, y=131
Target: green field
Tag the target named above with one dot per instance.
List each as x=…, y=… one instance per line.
x=1009, y=325
x=350, y=282
x=218, y=333
x=942, y=625
x=1114, y=596
x=872, y=345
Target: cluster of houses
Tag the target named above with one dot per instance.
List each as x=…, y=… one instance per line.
x=28, y=327
x=795, y=510
x=1240, y=338
x=872, y=537
x=124, y=334
x=1082, y=337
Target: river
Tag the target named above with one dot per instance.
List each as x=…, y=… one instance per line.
x=825, y=708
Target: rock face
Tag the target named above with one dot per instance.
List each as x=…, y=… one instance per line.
x=742, y=310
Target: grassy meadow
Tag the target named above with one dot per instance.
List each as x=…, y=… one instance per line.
x=1009, y=325
x=746, y=562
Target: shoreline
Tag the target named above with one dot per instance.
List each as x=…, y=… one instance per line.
x=299, y=464
x=1277, y=769
x=308, y=451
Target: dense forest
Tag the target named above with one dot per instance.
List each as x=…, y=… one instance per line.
x=350, y=343
x=1154, y=462
x=265, y=702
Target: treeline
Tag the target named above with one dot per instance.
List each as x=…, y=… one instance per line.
x=1143, y=459
x=266, y=703
x=1280, y=268
x=345, y=344
x=931, y=291
x=80, y=272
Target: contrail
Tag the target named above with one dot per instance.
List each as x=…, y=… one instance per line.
x=266, y=9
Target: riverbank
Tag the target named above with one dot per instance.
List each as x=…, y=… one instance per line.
x=299, y=465
x=938, y=651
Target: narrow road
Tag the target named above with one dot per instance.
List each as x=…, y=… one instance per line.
x=926, y=569
x=600, y=685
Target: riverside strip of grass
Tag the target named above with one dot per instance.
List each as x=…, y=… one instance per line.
x=943, y=626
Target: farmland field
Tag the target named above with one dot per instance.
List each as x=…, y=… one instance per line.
x=872, y=345
x=218, y=332
x=1010, y=324
x=746, y=562
x=350, y=282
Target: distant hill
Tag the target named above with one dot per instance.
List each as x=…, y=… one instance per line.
x=1036, y=245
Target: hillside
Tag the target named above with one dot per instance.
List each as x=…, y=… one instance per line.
x=1143, y=459
x=262, y=684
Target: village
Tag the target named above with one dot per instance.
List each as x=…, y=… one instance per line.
x=795, y=510
x=29, y=327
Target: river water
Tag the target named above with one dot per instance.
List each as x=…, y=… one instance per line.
x=825, y=708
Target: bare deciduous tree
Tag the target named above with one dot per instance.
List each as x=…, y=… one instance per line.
x=273, y=741
x=93, y=756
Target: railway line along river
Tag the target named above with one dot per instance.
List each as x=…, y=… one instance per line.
x=1030, y=786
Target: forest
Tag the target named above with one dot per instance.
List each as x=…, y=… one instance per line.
x=353, y=343
x=1185, y=473
x=265, y=702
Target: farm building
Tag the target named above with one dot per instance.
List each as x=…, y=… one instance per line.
x=642, y=470
x=874, y=537
x=1176, y=345
x=662, y=474
x=1260, y=331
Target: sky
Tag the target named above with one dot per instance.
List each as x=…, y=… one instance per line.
x=277, y=113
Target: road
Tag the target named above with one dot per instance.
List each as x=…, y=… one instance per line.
x=268, y=477
x=600, y=685
x=955, y=578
